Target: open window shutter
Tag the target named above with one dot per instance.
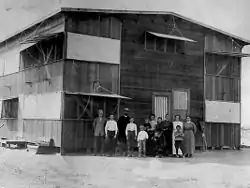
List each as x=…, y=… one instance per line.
x=181, y=102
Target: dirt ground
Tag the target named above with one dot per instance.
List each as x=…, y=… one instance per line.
x=21, y=169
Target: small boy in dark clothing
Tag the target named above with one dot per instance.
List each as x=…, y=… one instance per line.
x=159, y=142
x=179, y=137
x=147, y=124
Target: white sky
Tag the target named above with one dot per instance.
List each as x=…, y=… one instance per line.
x=229, y=15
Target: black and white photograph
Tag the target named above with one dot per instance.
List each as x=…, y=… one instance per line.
x=124, y=94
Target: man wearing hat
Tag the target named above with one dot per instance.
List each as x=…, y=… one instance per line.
x=122, y=124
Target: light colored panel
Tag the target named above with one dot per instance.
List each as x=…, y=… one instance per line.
x=222, y=112
x=11, y=63
x=41, y=106
x=180, y=100
x=91, y=48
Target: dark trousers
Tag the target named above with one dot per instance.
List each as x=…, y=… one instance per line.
x=168, y=140
x=179, y=145
x=122, y=141
x=98, y=144
x=111, y=142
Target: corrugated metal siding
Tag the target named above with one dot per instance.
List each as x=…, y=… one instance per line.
x=160, y=106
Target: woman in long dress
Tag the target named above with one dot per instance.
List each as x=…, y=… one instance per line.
x=176, y=122
x=189, y=139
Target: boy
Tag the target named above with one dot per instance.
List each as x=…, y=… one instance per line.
x=142, y=137
x=111, y=131
x=159, y=142
x=131, y=134
x=179, y=137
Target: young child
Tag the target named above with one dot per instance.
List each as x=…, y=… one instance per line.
x=131, y=134
x=159, y=142
x=179, y=137
x=142, y=137
x=147, y=124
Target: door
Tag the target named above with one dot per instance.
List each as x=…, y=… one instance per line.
x=181, y=102
x=161, y=104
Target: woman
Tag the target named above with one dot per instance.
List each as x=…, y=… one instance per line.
x=153, y=122
x=150, y=144
x=176, y=122
x=189, y=139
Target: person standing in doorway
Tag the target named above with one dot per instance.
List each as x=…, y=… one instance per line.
x=189, y=139
x=99, y=126
x=111, y=131
x=176, y=122
x=131, y=134
x=167, y=131
x=122, y=124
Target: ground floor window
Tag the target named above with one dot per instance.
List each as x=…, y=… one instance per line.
x=10, y=108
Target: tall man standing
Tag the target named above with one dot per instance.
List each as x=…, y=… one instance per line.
x=98, y=126
x=122, y=124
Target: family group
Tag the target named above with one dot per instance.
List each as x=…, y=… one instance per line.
x=156, y=137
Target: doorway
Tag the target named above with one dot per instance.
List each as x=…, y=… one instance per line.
x=161, y=104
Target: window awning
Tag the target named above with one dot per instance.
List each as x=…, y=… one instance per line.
x=99, y=95
x=37, y=38
x=233, y=54
x=167, y=36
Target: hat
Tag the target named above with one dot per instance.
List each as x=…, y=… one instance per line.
x=126, y=109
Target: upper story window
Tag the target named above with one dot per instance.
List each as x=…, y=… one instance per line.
x=166, y=45
x=101, y=26
x=43, y=52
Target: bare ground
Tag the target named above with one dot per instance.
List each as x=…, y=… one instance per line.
x=21, y=169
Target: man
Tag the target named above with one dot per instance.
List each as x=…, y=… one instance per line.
x=168, y=129
x=98, y=126
x=122, y=124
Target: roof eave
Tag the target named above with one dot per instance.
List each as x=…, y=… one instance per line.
x=125, y=11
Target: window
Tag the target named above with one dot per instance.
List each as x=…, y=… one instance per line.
x=164, y=45
x=86, y=73
x=222, y=78
x=10, y=108
x=44, y=52
x=102, y=26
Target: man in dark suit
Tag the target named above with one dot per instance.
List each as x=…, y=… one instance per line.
x=122, y=124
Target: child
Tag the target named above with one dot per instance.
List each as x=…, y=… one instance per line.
x=131, y=134
x=179, y=136
x=159, y=142
x=147, y=124
x=142, y=137
x=111, y=133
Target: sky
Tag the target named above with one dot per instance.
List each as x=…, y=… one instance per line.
x=229, y=15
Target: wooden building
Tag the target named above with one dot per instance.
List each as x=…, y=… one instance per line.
x=56, y=73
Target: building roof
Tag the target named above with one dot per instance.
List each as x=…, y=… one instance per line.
x=68, y=9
